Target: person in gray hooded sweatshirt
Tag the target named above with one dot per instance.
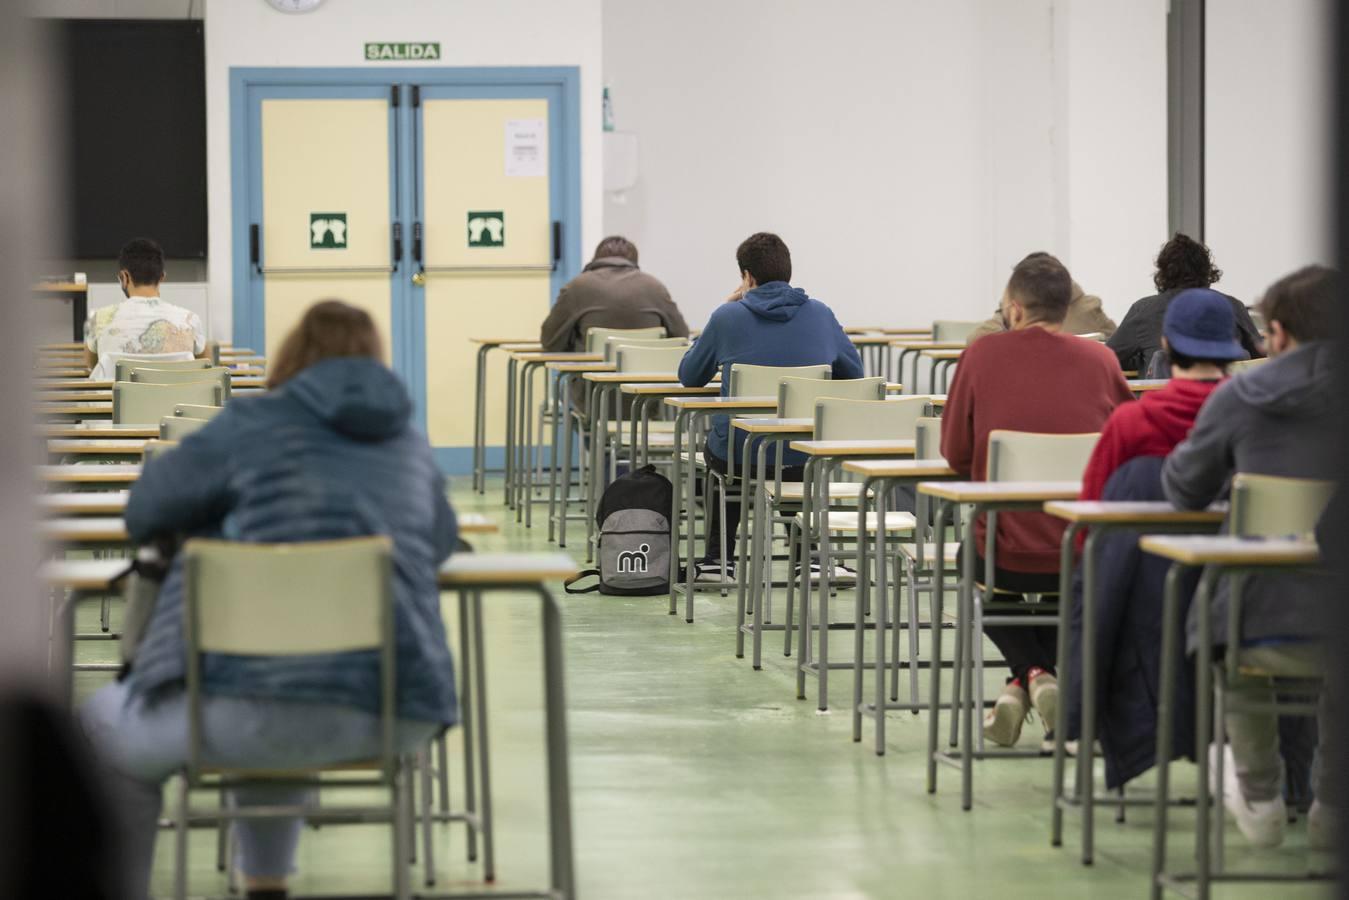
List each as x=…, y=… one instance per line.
x=1276, y=419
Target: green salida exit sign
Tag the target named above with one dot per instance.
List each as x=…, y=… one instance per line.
x=382, y=51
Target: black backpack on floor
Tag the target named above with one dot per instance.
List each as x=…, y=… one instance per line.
x=634, y=547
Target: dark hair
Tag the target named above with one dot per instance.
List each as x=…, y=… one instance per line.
x=1308, y=303
x=1042, y=285
x=143, y=259
x=1039, y=254
x=1183, y=262
x=329, y=328
x=1181, y=361
x=765, y=257
x=614, y=245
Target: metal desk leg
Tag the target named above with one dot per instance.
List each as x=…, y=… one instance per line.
x=484, y=755
x=1087, y=739
x=480, y=419
x=967, y=664
x=468, y=709
x=559, y=777
x=561, y=435
x=1171, y=626
x=881, y=604
x=1066, y=552
x=677, y=513
x=861, y=599
x=938, y=592
x=510, y=429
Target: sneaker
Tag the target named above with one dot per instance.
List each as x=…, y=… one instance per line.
x=1321, y=826
x=837, y=575
x=1044, y=697
x=708, y=571
x=1002, y=723
x=1261, y=822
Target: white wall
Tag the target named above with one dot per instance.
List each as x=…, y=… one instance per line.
x=909, y=152
x=471, y=33
x=1269, y=187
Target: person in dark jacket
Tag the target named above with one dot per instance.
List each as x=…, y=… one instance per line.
x=1276, y=419
x=764, y=322
x=329, y=452
x=1181, y=263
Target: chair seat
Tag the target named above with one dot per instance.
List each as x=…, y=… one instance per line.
x=949, y=551
x=795, y=491
x=848, y=521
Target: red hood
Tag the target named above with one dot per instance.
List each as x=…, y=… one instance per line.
x=1173, y=409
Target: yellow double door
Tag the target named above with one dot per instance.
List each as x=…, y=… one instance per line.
x=431, y=207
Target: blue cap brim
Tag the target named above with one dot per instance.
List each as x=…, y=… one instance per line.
x=1228, y=351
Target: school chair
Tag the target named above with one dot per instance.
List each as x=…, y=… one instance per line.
x=156, y=448
x=294, y=600
x=192, y=411
x=139, y=403
x=595, y=337
x=612, y=343
x=1014, y=456
x=147, y=375
x=126, y=363
x=947, y=331
x=175, y=428
x=1245, y=365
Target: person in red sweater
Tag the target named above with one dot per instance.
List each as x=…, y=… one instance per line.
x=1035, y=378
x=1199, y=335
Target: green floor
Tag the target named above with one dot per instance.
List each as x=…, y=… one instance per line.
x=696, y=777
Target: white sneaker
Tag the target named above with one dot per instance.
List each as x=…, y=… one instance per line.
x=1002, y=723
x=1321, y=824
x=1044, y=696
x=710, y=573
x=1261, y=822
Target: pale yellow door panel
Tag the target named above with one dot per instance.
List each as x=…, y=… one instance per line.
x=326, y=209
x=485, y=277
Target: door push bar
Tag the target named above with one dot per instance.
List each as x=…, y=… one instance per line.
x=422, y=271
x=255, y=257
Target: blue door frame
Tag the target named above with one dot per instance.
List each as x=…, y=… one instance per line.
x=559, y=85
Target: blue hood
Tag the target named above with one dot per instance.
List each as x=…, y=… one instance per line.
x=776, y=301
x=355, y=396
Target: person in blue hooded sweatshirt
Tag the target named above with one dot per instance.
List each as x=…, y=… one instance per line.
x=765, y=322
x=329, y=452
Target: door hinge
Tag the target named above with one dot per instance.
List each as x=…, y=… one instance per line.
x=416, y=96
x=395, y=93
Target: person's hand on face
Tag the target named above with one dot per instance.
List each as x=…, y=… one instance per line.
x=747, y=283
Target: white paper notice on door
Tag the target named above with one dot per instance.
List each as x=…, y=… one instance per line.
x=526, y=148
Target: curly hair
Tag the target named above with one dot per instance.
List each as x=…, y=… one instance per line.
x=1183, y=262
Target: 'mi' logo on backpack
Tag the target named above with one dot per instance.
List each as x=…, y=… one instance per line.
x=634, y=561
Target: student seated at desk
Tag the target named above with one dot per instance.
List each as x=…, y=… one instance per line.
x=142, y=324
x=1278, y=419
x=1182, y=263
x=1200, y=338
x=1085, y=315
x=764, y=322
x=329, y=452
x=1035, y=378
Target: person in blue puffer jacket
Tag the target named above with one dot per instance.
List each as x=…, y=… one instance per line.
x=765, y=322
x=329, y=452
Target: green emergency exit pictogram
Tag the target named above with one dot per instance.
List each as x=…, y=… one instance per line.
x=327, y=231
x=487, y=229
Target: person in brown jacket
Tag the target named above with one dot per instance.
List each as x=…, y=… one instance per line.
x=1085, y=315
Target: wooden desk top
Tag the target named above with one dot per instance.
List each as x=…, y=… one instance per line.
x=74, y=396
x=910, y=344
x=522, y=346
x=729, y=403
x=476, y=523
x=83, y=530
x=580, y=366
x=908, y=331
x=1200, y=550
x=497, y=342
x=98, y=446
x=537, y=356
x=69, y=345
x=83, y=503
x=1141, y=512
x=1004, y=491
x=81, y=574
x=466, y=570
x=231, y=350
x=944, y=354
x=98, y=431
x=58, y=372
x=1143, y=385
x=117, y=474
x=899, y=468
x=669, y=390
x=877, y=447
x=873, y=339
x=60, y=287
x=772, y=425
x=621, y=377
x=93, y=410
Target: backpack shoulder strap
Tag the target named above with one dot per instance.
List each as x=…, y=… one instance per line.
x=567, y=585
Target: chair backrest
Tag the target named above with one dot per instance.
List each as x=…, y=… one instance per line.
x=296, y=599
x=1030, y=456
x=649, y=359
x=762, y=381
x=797, y=396
x=1272, y=506
x=1242, y=365
x=125, y=364
x=157, y=448
x=192, y=411
x=612, y=344
x=946, y=331
x=175, y=428
x=1257, y=318
x=149, y=375
x=138, y=403
x=595, y=337
x=860, y=420
x=927, y=437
